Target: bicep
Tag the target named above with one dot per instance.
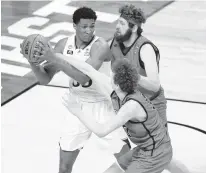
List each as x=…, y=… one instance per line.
x=148, y=56
x=94, y=62
x=126, y=113
x=100, y=52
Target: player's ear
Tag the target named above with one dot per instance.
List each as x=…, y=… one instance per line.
x=134, y=29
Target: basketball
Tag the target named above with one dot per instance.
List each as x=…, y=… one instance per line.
x=29, y=45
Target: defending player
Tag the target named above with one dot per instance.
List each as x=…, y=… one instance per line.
x=139, y=117
x=129, y=43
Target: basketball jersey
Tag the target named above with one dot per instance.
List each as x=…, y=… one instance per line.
x=149, y=134
x=89, y=91
x=133, y=55
x=158, y=98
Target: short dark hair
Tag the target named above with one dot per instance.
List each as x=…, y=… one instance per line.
x=125, y=75
x=84, y=13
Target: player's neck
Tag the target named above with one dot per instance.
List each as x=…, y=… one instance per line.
x=130, y=41
x=121, y=95
x=79, y=44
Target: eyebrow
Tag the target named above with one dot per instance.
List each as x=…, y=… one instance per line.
x=87, y=24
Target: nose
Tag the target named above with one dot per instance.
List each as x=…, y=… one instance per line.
x=88, y=30
x=117, y=26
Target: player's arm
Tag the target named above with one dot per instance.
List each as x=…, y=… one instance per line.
x=148, y=56
x=112, y=57
x=44, y=73
x=100, y=79
x=99, y=53
x=127, y=112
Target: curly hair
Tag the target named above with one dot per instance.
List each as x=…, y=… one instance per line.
x=125, y=75
x=132, y=14
x=84, y=13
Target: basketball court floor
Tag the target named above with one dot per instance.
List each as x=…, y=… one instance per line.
x=32, y=122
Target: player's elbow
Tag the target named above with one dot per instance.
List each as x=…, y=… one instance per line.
x=105, y=52
x=101, y=135
x=102, y=132
x=84, y=80
x=44, y=81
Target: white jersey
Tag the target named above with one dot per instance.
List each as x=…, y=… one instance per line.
x=89, y=92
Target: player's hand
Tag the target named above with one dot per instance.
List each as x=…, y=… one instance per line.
x=21, y=51
x=73, y=104
x=44, y=52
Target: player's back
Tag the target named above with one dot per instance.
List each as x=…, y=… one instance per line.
x=88, y=92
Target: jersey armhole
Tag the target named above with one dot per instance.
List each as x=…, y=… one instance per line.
x=134, y=122
x=156, y=53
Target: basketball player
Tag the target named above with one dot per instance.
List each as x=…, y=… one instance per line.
x=138, y=47
x=103, y=82
x=137, y=115
x=129, y=43
x=95, y=51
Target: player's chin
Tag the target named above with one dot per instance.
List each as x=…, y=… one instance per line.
x=87, y=38
x=117, y=36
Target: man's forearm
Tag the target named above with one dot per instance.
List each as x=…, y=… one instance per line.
x=69, y=70
x=101, y=80
x=148, y=84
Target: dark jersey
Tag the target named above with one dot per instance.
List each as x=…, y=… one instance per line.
x=133, y=54
x=149, y=134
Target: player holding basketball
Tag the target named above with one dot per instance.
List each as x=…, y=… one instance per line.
x=95, y=51
x=103, y=82
x=129, y=43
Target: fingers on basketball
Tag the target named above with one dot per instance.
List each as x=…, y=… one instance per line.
x=32, y=48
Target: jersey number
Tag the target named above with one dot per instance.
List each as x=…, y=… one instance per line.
x=88, y=84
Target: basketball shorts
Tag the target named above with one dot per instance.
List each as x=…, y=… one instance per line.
x=140, y=161
x=75, y=134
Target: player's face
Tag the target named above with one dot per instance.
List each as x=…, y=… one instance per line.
x=85, y=29
x=123, y=32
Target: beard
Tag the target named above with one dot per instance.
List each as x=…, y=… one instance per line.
x=121, y=38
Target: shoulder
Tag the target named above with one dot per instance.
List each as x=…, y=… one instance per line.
x=128, y=109
x=100, y=49
x=59, y=47
x=135, y=110
x=147, y=47
x=147, y=51
x=131, y=103
x=100, y=42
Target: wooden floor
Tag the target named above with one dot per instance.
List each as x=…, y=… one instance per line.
x=33, y=122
